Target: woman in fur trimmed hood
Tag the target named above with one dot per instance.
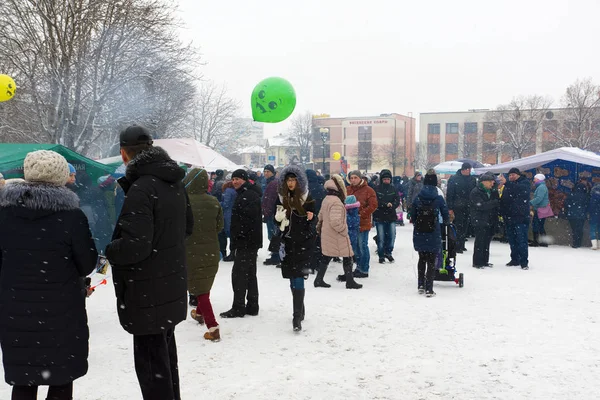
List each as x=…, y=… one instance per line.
x=296, y=219
x=46, y=251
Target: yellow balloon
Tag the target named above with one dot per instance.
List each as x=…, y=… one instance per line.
x=8, y=88
x=336, y=156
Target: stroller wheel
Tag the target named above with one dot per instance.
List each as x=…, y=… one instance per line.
x=461, y=280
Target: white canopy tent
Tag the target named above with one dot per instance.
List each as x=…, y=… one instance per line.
x=189, y=151
x=450, y=167
x=571, y=154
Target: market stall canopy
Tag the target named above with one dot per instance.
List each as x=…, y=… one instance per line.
x=190, y=151
x=450, y=167
x=569, y=154
x=12, y=156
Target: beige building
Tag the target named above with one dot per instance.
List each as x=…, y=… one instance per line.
x=280, y=152
x=466, y=134
x=369, y=144
x=253, y=156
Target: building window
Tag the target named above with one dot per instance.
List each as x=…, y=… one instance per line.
x=470, y=127
x=365, y=133
x=451, y=148
x=550, y=126
x=530, y=127
x=365, y=156
x=470, y=150
x=433, y=129
x=489, y=147
x=433, y=148
x=489, y=127
x=452, y=128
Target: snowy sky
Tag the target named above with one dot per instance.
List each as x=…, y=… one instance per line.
x=357, y=57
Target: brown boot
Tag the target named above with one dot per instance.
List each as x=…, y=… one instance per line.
x=213, y=334
x=197, y=317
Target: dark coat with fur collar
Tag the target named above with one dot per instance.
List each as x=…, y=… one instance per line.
x=46, y=249
x=147, y=252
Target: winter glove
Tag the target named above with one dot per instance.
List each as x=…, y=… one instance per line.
x=281, y=217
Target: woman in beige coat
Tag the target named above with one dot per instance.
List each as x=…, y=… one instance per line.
x=333, y=229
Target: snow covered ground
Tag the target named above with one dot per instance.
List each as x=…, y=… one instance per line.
x=508, y=334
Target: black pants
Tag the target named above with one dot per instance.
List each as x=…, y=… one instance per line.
x=461, y=223
x=243, y=279
x=426, y=268
x=63, y=392
x=481, y=252
x=156, y=365
x=577, y=231
x=223, y=242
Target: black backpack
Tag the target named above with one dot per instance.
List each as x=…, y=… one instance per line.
x=426, y=217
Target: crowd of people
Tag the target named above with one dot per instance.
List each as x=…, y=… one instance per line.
x=172, y=228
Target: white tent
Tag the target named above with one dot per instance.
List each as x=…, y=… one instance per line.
x=571, y=154
x=450, y=167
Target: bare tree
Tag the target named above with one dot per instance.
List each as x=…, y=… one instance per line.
x=212, y=118
x=422, y=162
x=394, y=154
x=78, y=62
x=517, y=123
x=579, y=119
x=300, y=134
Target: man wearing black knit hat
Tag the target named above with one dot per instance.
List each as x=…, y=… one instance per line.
x=457, y=196
x=514, y=208
x=246, y=239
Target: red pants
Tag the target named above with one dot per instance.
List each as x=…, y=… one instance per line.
x=204, y=308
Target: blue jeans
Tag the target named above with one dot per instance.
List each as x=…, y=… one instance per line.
x=519, y=242
x=386, y=236
x=297, y=283
x=537, y=225
x=594, y=232
x=363, y=257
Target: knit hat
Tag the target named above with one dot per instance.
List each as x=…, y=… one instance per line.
x=350, y=199
x=134, y=135
x=488, y=176
x=45, y=166
x=219, y=173
x=355, y=172
x=385, y=173
x=72, y=169
x=430, y=178
x=540, y=177
x=466, y=166
x=514, y=171
x=240, y=173
x=269, y=167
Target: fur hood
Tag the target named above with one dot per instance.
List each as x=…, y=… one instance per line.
x=300, y=176
x=38, y=196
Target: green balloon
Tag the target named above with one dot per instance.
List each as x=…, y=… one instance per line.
x=273, y=100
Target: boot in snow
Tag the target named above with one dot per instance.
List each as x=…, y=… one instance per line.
x=197, y=317
x=213, y=334
x=298, y=303
x=595, y=244
x=319, y=282
x=349, y=278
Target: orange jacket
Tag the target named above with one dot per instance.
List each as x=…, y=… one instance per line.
x=368, y=203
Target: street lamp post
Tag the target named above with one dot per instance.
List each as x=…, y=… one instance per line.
x=324, y=132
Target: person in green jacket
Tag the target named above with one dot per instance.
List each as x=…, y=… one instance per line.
x=540, y=199
x=202, y=246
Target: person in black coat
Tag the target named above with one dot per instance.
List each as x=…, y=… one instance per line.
x=457, y=196
x=385, y=216
x=246, y=239
x=148, y=258
x=514, y=208
x=297, y=223
x=484, y=217
x=318, y=193
x=576, y=207
x=46, y=249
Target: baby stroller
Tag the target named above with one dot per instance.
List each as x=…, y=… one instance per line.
x=446, y=262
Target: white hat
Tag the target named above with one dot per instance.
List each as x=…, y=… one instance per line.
x=540, y=177
x=47, y=167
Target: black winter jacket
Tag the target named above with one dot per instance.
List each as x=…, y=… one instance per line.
x=299, y=241
x=46, y=249
x=459, y=190
x=147, y=252
x=386, y=194
x=484, y=208
x=316, y=189
x=246, y=218
x=514, y=203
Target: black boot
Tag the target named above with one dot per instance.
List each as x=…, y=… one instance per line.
x=535, y=242
x=298, y=302
x=350, y=283
x=319, y=282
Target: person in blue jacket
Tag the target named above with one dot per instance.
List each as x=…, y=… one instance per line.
x=427, y=234
x=594, y=212
x=540, y=200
